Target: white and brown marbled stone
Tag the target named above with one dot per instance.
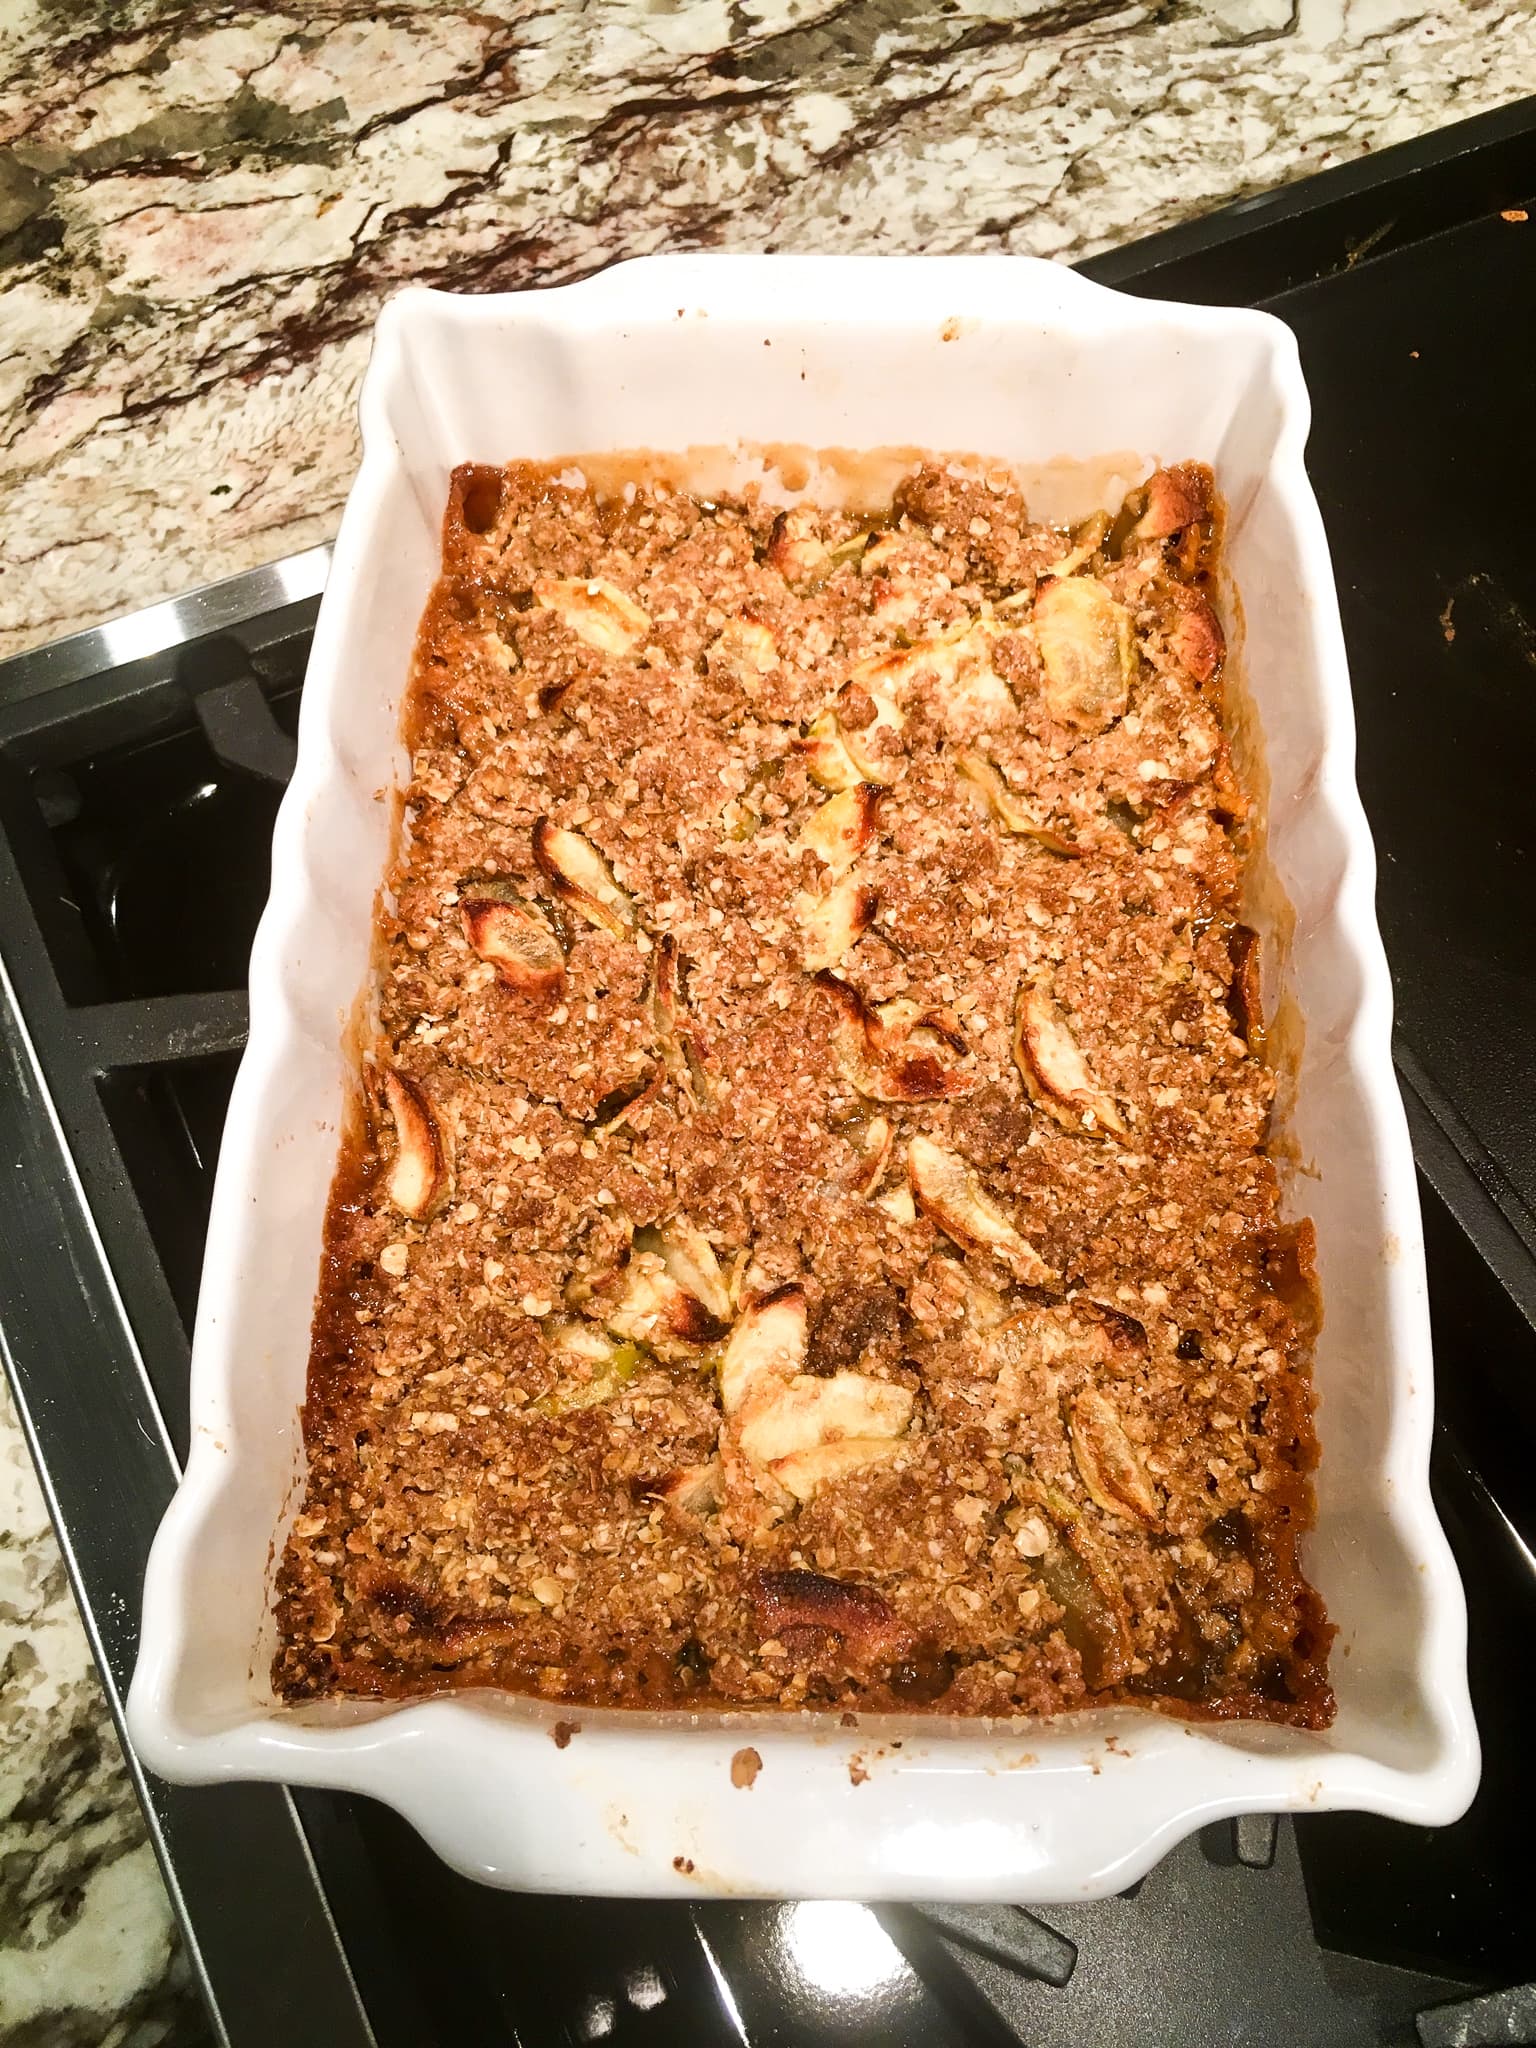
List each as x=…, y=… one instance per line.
x=88, y=1956
x=201, y=210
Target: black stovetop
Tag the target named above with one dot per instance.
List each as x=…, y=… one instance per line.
x=139, y=774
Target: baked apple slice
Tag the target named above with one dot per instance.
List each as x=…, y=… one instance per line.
x=595, y=611
x=790, y=1415
x=1087, y=651
x=1006, y=808
x=418, y=1181
x=1054, y=1069
x=693, y=1490
x=581, y=879
x=656, y=1310
x=514, y=937
x=842, y=827
x=805, y=1473
x=949, y=1193
x=898, y=1052
x=863, y=1618
x=834, y=923
x=767, y=1341
x=1111, y=1470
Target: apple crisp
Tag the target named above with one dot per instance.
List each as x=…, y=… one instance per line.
x=810, y=1240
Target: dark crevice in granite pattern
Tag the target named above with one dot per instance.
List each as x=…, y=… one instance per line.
x=846, y=36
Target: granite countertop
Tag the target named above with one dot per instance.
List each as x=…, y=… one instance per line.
x=197, y=227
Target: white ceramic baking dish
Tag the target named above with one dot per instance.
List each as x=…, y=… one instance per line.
x=1016, y=360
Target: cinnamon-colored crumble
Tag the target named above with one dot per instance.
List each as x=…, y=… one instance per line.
x=812, y=1242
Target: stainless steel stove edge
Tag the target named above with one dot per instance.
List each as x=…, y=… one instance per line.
x=211, y=608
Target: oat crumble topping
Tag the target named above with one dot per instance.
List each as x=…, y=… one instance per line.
x=811, y=1241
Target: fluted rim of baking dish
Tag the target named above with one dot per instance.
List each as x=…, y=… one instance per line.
x=1025, y=1810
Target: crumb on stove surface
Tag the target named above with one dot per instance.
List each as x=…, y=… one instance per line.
x=812, y=1241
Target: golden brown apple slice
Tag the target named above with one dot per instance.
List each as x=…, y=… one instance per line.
x=625, y=1103
x=678, y=1047
x=797, y=549
x=580, y=1341
x=852, y=551
x=789, y=1415
x=958, y=661
x=1009, y=812
x=854, y=1022
x=1086, y=540
x=842, y=827
x=744, y=648
x=804, y=1473
x=1105, y=1456
x=899, y=1052
x=1054, y=1069
x=602, y=1369
x=1195, y=637
x=581, y=879
x=514, y=937
x=856, y=743
x=690, y=1260
x=667, y=1004
x=700, y=1088
x=418, y=1182
x=871, y=724
x=950, y=1194
x=942, y=655
x=694, y=1490
x=883, y=549
x=767, y=1342
x=898, y=1204
x=866, y=1621
x=1087, y=650
x=878, y=1138
x=1243, y=995
x=833, y=924
x=827, y=759
x=597, y=612
x=655, y=1310
x=1093, y=1612
x=780, y=1420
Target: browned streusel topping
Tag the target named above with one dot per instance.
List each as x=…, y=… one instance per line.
x=813, y=1241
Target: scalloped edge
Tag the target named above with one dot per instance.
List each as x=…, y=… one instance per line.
x=1027, y=1811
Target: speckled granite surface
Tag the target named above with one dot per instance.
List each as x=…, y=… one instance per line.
x=202, y=222
x=201, y=209
x=87, y=1948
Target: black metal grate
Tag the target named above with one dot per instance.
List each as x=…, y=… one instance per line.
x=136, y=801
